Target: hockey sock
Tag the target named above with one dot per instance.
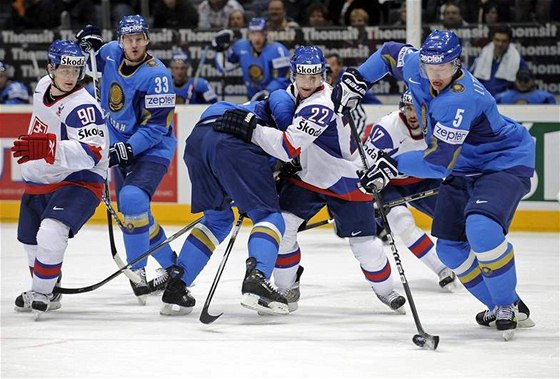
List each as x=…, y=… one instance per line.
x=134, y=204
x=458, y=256
x=164, y=255
x=31, y=251
x=264, y=239
x=374, y=263
x=202, y=241
x=495, y=257
x=52, y=240
x=289, y=254
x=419, y=243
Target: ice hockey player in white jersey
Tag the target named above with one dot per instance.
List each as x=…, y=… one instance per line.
x=64, y=163
x=329, y=161
x=397, y=133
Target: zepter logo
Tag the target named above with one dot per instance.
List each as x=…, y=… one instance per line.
x=131, y=29
x=116, y=98
x=431, y=59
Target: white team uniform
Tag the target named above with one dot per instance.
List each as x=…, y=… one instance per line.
x=82, y=141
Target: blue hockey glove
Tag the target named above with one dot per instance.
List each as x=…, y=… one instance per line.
x=90, y=38
x=348, y=93
x=222, y=40
x=238, y=122
x=120, y=154
x=379, y=174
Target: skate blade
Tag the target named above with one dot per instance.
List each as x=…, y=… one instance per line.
x=525, y=323
x=508, y=334
x=37, y=315
x=22, y=310
x=401, y=310
x=255, y=303
x=174, y=310
x=142, y=299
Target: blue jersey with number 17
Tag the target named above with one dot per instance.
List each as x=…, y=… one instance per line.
x=465, y=133
x=140, y=105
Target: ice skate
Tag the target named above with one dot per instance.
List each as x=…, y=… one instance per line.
x=394, y=301
x=40, y=303
x=23, y=301
x=506, y=320
x=488, y=317
x=176, y=298
x=157, y=285
x=448, y=280
x=141, y=290
x=259, y=294
x=292, y=294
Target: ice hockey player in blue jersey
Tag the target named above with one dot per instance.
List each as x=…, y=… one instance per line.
x=195, y=90
x=11, y=92
x=487, y=161
x=328, y=161
x=524, y=91
x=64, y=161
x=223, y=168
x=137, y=93
x=265, y=65
x=397, y=133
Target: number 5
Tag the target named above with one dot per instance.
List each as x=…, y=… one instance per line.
x=458, y=118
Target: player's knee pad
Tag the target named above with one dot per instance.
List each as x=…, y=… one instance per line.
x=401, y=221
x=219, y=223
x=134, y=203
x=52, y=236
x=483, y=233
x=292, y=223
x=273, y=219
x=368, y=250
x=452, y=253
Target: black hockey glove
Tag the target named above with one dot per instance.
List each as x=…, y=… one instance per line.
x=120, y=154
x=290, y=168
x=238, y=122
x=90, y=38
x=379, y=174
x=348, y=93
x=222, y=40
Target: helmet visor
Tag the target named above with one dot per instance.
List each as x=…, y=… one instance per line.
x=439, y=71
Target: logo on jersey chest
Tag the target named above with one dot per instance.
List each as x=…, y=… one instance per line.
x=304, y=127
x=116, y=98
x=256, y=73
x=39, y=126
x=457, y=88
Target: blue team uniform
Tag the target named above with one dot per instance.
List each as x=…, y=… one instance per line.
x=486, y=159
x=140, y=110
x=202, y=94
x=14, y=93
x=267, y=70
x=537, y=96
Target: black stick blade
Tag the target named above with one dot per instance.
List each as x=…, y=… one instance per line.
x=426, y=341
x=207, y=318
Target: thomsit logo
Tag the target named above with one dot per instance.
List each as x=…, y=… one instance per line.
x=309, y=69
x=434, y=59
x=69, y=60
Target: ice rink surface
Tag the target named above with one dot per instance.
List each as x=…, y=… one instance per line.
x=340, y=329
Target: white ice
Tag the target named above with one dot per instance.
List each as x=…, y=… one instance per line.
x=340, y=329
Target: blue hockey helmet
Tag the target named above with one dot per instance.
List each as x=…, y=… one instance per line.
x=441, y=46
x=68, y=53
x=134, y=24
x=308, y=60
x=2, y=67
x=257, y=24
x=406, y=99
x=180, y=56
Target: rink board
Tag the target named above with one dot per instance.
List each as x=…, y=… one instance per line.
x=540, y=210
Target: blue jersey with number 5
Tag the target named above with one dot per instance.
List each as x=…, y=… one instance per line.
x=140, y=105
x=464, y=130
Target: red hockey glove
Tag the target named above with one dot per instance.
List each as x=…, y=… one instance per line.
x=35, y=146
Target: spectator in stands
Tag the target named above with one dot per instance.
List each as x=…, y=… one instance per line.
x=317, y=15
x=498, y=62
x=488, y=13
x=340, y=10
x=195, y=90
x=297, y=9
x=402, y=16
x=277, y=19
x=174, y=14
x=11, y=92
x=237, y=19
x=524, y=91
x=359, y=18
x=215, y=13
x=35, y=14
x=452, y=17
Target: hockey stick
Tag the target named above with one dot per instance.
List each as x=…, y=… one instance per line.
x=224, y=77
x=314, y=225
x=197, y=75
x=410, y=198
x=422, y=339
x=205, y=317
x=128, y=266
